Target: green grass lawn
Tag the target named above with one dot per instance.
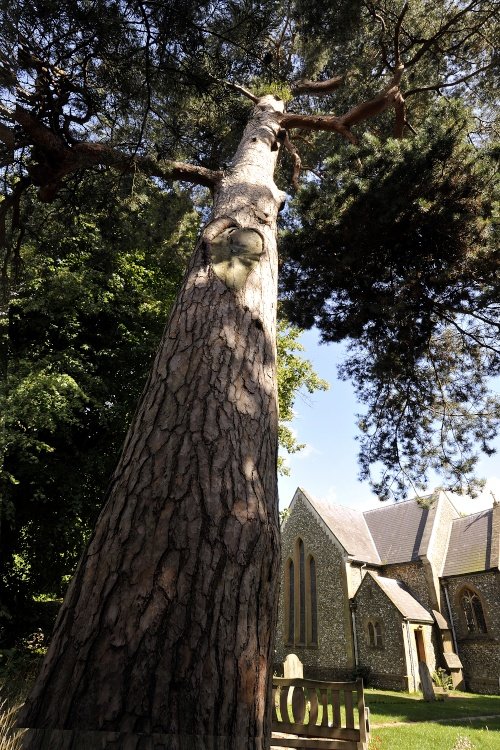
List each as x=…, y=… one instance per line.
x=465, y=733
x=388, y=707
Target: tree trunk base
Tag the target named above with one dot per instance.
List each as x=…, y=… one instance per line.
x=62, y=739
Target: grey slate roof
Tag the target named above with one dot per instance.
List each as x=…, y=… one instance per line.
x=349, y=527
x=401, y=531
x=470, y=545
x=399, y=595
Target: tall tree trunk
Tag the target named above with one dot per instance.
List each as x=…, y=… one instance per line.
x=165, y=637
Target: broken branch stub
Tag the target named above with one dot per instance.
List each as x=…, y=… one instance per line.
x=235, y=253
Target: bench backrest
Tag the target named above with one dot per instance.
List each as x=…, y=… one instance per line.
x=314, y=709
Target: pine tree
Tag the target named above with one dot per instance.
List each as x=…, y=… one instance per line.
x=167, y=627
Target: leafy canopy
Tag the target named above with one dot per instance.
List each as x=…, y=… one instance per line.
x=87, y=308
x=395, y=254
x=399, y=257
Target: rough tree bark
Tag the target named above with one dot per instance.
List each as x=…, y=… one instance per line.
x=165, y=636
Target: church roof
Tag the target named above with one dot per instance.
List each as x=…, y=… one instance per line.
x=401, y=532
x=399, y=595
x=470, y=546
x=349, y=527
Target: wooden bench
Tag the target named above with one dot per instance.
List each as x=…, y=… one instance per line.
x=319, y=715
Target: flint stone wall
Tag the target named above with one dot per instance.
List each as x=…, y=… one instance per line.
x=480, y=654
x=332, y=657
x=388, y=665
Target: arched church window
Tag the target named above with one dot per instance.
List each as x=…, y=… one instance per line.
x=375, y=634
x=313, y=603
x=302, y=593
x=472, y=609
x=371, y=634
x=300, y=605
x=290, y=604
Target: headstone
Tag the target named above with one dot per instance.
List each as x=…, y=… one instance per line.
x=426, y=681
x=293, y=667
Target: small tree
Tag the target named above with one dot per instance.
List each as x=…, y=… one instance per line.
x=167, y=627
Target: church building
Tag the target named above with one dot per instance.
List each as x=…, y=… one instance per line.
x=374, y=593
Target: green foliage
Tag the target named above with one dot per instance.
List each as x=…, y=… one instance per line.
x=284, y=515
x=324, y=29
x=281, y=90
x=442, y=679
x=395, y=252
x=393, y=248
x=94, y=291
x=84, y=322
x=295, y=374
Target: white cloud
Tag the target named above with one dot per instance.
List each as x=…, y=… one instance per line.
x=331, y=496
x=484, y=500
x=307, y=450
x=362, y=500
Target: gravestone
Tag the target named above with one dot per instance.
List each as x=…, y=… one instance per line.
x=293, y=667
x=426, y=682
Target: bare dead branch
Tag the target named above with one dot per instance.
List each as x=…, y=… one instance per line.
x=447, y=84
x=242, y=90
x=297, y=161
x=427, y=44
x=397, y=31
x=317, y=88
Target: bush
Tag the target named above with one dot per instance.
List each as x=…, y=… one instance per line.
x=442, y=679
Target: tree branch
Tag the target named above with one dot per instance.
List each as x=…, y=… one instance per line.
x=390, y=97
x=297, y=162
x=387, y=98
x=383, y=46
x=317, y=122
x=58, y=159
x=427, y=44
x=97, y=153
x=317, y=88
x=437, y=86
x=397, y=31
x=242, y=90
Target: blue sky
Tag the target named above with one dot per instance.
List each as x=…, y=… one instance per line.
x=326, y=422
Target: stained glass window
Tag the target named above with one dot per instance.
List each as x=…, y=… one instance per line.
x=302, y=594
x=473, y=612
x=291, y=602
x=313, y=601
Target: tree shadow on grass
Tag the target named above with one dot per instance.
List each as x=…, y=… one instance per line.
x=393, y=707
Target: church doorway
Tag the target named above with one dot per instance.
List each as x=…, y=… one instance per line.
x=419, y=642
